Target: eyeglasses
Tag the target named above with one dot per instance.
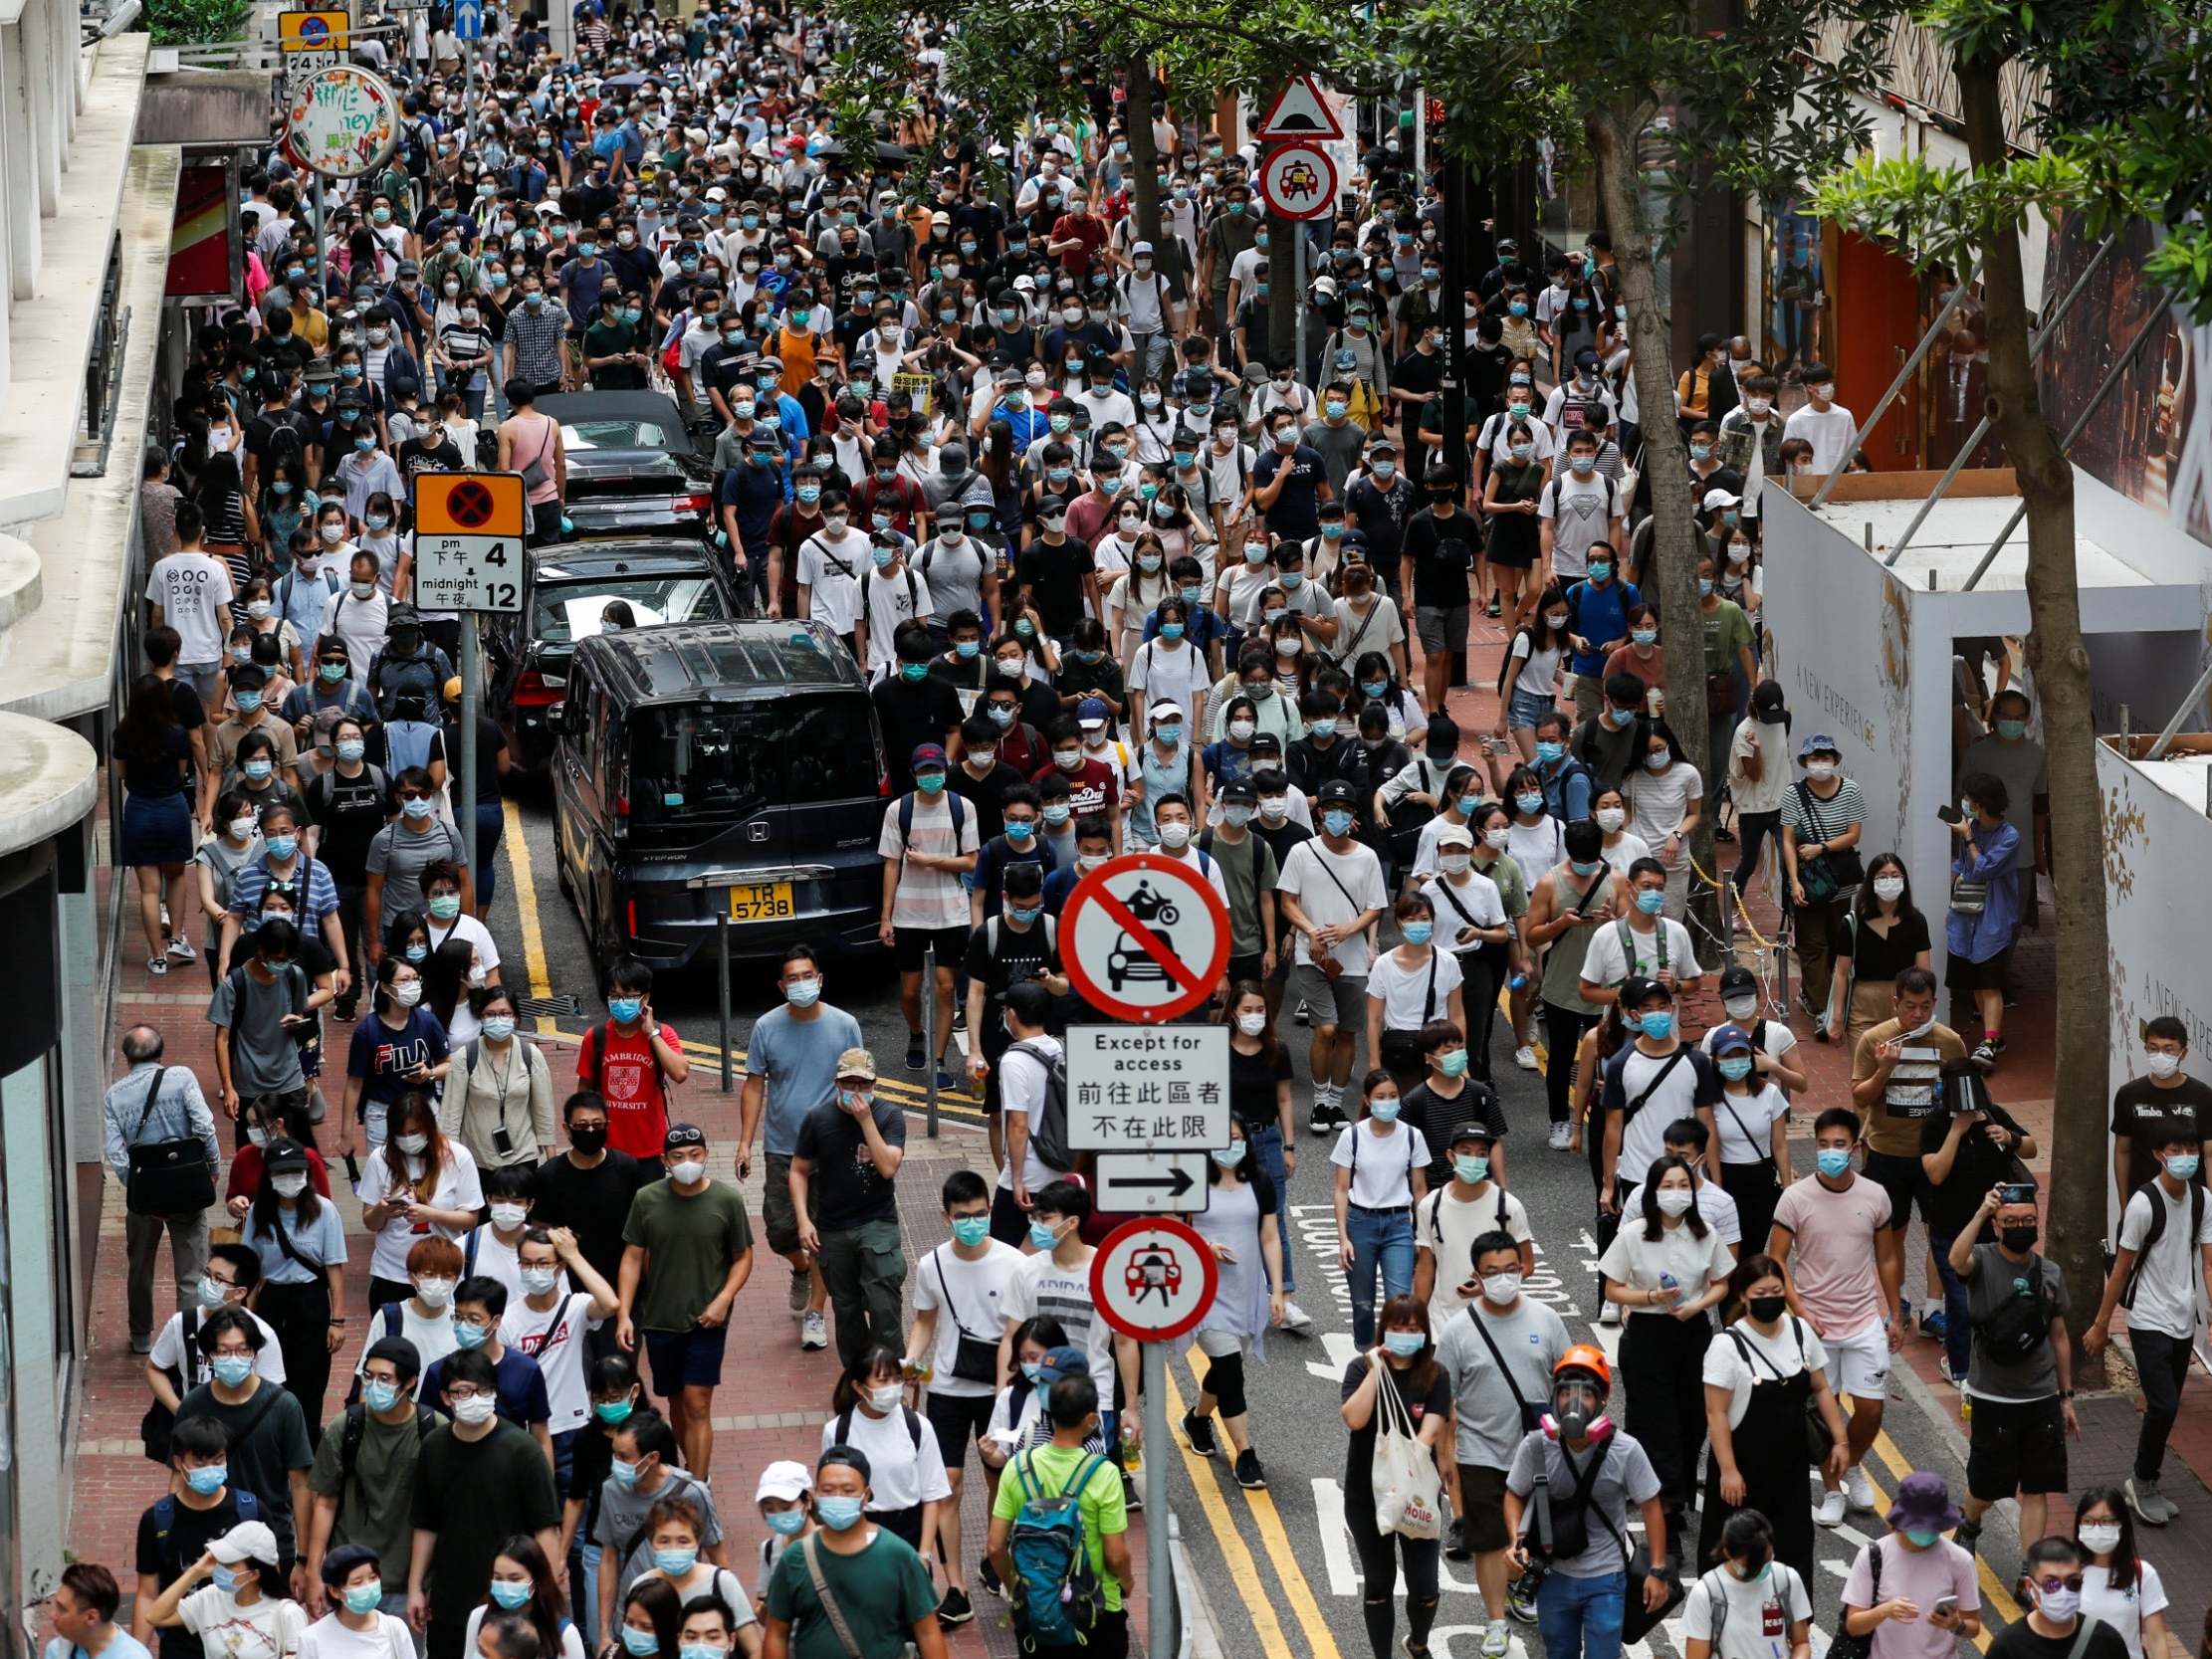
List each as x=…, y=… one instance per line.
x=464, y=1391
x=2072, y=1582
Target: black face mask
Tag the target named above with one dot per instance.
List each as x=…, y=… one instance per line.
x=588, y=1138
x=1767, y=1308
x=2019, y=1240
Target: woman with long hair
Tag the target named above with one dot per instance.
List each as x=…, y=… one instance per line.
x=446, y=987
x=1404, y=1360
x=651, y=1621
x=2120, y=1587
x=907, y=1479
x=156, y=843
x=1238, y=1224
x=524, y=1586
x=1259, y=1097
x=1883, y=934
x=1529, y=677
x=416, y=1182
x=221, y=497
x=302, y=1293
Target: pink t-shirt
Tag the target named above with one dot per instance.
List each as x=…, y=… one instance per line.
x=1832, y=1258
x=1922, y=1578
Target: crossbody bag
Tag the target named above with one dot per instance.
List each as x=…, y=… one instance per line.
x=974, y=1360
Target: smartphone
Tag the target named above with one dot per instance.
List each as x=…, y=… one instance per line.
x=1950, y=814
x=1945, y=1605
x=2017, y=1192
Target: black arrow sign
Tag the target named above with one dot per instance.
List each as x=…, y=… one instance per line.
x=1177, y=1183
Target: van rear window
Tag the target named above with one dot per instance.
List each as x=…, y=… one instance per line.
x=695, y=762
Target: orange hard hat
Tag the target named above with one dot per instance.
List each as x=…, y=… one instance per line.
x=1585, y=1356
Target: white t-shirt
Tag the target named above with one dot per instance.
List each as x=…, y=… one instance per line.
x=891, y=600
x=1041, y=1285
x=1608, y=960
x=495, y=1260
x=458, y=1188
x=1694, y=1263
x=903, y=1469
x=1332, y=900
x=268, y=1630
x=1177, y=672
x=554, y=1339
x=2166, y=1285
x=1829, y=433
x=1778, y=1357
x=1626, y=852
x=967, y=1296
x=2124, y=1610
x=169, y=1351
x=1714, y=1203
x=831, y=573
x=1412, y=996
x=932, y=899
x=1540, y=846
x=1381, y=1165
x=1644, y=1135
x=1749, y=1612
x=387, y=1637
x=1539, y=670
x=1447, y=1227
x=433, y=1336
x=1477, y=896
x=1746, y=1122
x=194, y=593
x=478, y=937
x=1023, y=1079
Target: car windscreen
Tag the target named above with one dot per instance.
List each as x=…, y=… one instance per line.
x=604, y=433
x=728, y=760
x=565, y=612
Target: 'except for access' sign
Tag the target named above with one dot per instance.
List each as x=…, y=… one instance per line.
x=1147, y=1088
x=469, y=540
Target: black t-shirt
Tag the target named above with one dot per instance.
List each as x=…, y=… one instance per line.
x=419, y=454
x=446, y=746
x=1053, y=577
x=1251, y=1087
x=592, y=1204
x=349, y=811
x=912, y=716
x=1437, y=1116
x=1442, y=552
x=1280, y=838
x=984, y=793
x=847, y=1188
x=1980, y=1166
x=2140, y=1102
x=476, y=1495
x=2018, y=1641
x=1880, y=960
x=162, y=1557
x=1311, y=765
x=1022, y=955
x=1421, y=1402
x=1296, y=512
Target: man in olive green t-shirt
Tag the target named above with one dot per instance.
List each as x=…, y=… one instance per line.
x=687, y=1250
x=1072, y=1405
x=374, y=1505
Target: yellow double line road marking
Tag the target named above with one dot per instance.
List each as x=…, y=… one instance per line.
x=1243, y=1571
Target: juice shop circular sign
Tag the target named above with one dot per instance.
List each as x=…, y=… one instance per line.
x=343, y=121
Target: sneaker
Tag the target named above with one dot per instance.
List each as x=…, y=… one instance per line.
x=2150, y=1504
x=1968, y=1537
x=1497, y=1638
x=947, y=1083
x=1521, y=1603
x=954, y=1607
x=1526, y=1057
x=986, y=1578
x=1860, y=1489
x=801, y=1290
x=1456, y=1545
x=813, y=1330
x=180, y=951
x=1297, y=1320
x=1985, y=1055
x=141, y=1344
x=1610, y=1314
x=157, y=966
x=1416, y=1650
x=1944, y=1368
x=1199, y=1432
x=1492, y=609
x=1249, y=1473
x=960, y=1023
x=1132, y=1495
x=1829, y=1511
x=1304, y=1015
x=1722, y=833
x=1318, y=1124
x=1559, y=1134
x=916, y=1060
x=1934, y=1325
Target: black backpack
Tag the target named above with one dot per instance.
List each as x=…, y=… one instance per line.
x=1048, y=1138
x=2157, y=1231
x=357, y=1430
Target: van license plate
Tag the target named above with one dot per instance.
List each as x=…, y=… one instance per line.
x=761, y=902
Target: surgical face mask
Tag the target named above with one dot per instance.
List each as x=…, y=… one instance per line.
x=1821, y=769
x=281, y=847
x=507, y=1217
x=1454, y=864
x=417, y=807
x=512, y=1594
x=1611, y=818
x=1230, y=1156
x=290, y=1185
x=643, y=1644
x=838, y=1514
x=1675, y=1200
x=2182, y=1165
x=475, y=1410
x=209, y=1479
x=625, y=1008
x=2161, y=1064
x=1659, y=1024
x=1836, y=1161
x=1322, y=726
x=1337, y=821
x=2060, y=1606
x=212, y=1292
x=231, y=1369
x=1405, y=1344
x=790, y=1523
x=2101, y=1538
x=1475, y=1171
x=1530, y=805
x=1274, y=808
x=1497, y=838
x=1251, y=1024
x=1384, y=1109
x=1547, y=753
x=1418, y=933
x=971, y=1230
x=1175, y=836
x=675, y=1562
x=257, y=769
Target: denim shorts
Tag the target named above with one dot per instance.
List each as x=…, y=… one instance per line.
x=1526, y=706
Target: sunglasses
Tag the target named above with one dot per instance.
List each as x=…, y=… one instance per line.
x=2072, y=1582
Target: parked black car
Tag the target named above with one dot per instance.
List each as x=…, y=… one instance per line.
x=710, y=767
x=663, y=578
x=633, y=467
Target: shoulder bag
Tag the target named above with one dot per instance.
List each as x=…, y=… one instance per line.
x=973, y=1358
x=167, y=1177
x=1847, y=1646
x=1833, y=873
x=1403, y=1476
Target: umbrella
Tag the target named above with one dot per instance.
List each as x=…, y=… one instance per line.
x=623, y=83
x=835, y=151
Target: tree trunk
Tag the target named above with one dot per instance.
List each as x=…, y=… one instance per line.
x=1671, y=577
x=2075, y=1224
x=1144, y=159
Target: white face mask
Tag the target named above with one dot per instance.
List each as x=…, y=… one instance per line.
x=1454, y=864
x=2101, y=1538
x=1740, y=1008
x=408, y=994
x=1253, y=1024
x=1500, y=1289
x=688, y=1171
x=476, y=1409
x=507, y=1217
x=1823, y=770
x=434, y=1292
x=2162, y=1065
x=1175, y=836
x=289, y=1187
x=1611, y=818
x=1890, y=888
x=1675, y=1201
x=1496, y=837
x=241, y=828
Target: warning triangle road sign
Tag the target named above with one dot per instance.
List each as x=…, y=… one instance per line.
x=1299, y=112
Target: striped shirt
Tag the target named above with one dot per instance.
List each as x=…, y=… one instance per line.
x=254, y=879
x=1831, y=817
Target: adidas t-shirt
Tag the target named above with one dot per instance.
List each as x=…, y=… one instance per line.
x=1041, y=1285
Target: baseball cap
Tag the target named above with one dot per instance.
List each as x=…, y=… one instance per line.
x=1637, y=989
x=683, y=1134
x=1061, y=1363
x=1471, y=1131
x=1736, y=977
x=942, y=218
x=1092, y=712
x=1336, y=791
x=927, y=754
x=856, y=1062
x=1382, y=444
x=249, y=1541
x=1766, y=698
x=1720, y=497
x=1242, y=791
x=1140, y=248
x=1731, y=1039
x=283, y=1153
x=1454, y=835
x=785, y=1479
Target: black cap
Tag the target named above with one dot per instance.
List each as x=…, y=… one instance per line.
x=683, y=1134
x=284, y=1156
x=1336, y=791
x=1635, y=990
x=1242, y=791
x=1736, y=977
x=1471, y=1131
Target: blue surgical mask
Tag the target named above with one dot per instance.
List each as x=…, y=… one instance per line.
x=1322, y=726
x=1530, y=803
x=1599, y=569
x=364, y=1598
x=257, y=769
x=1452, y=1064
x=1337, y=821
x=1579, y=867
x=1659, y=1024
x=642, y=1643
x=1020, y=829
x=281, y=847
x=1385, y=1110
x=1418, y=933
x=2183, y=1166
x=510, y=1595
x=1042, y=1236
x=470, y=1335
x=1651, y=900
x=1834, y=1160
x=231, y=1369
x=1230, y=1156
x=624, y=1009
x=790, y=1523
x=839, y=1513
x=1735, y=1066
x=1405, y=1344
x=1170, y=630
x=1549, y=752
x=624, y=1472
x=675, y=1562
x=615, y=1411
x=248, y=702
x=971, y=1230
x=1468, y=803
x=226, y=1580
x=209, y=1479
x=381, y=1396
x=417, y=953
x=1474, y=1171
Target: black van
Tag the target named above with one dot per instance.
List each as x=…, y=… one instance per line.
x=712, y=750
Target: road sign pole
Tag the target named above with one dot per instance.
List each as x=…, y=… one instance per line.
x=1298, y=290
x=1161, y=1635
x=721, y=982
x=466, y=811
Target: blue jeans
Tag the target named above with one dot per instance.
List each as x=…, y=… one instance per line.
x=1266, y=1145
x=1379, y=1239
x=1582, y=1616
x=490, y=824
x=1958, y=1333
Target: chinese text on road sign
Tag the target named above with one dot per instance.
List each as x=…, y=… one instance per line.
x=1132, y=1088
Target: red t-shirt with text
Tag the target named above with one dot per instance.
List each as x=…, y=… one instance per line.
x=637, y=1101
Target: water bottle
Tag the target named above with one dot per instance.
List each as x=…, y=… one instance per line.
x=1516, y=982
x=1132, y=1456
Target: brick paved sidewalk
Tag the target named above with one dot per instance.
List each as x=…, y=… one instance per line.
x=772, y=1403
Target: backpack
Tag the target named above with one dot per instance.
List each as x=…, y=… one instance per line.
x=164, y=1512
x=285, y=444
x=154, y=1426
x=407, y=740
x=357, y=1430
x=605, y=1034
x=906, y=815
x=392, y=681
x=1058, y=1597
x=1048, y=1132
x=2157, y=1231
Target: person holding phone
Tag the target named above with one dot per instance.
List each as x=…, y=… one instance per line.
x=401, y=1048
x=1984, y=907
x=1914, y=1590
x=1966, y=1149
